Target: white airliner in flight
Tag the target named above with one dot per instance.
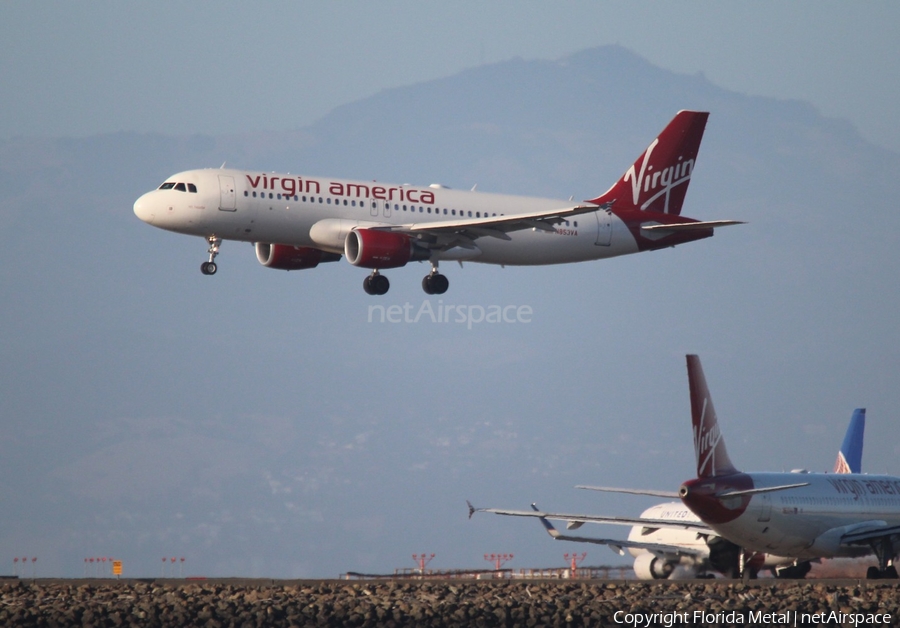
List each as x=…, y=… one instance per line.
x=298, y=222
x=807, y=516
x=670, y=541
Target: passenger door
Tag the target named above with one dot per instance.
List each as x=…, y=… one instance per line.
x=226, y=193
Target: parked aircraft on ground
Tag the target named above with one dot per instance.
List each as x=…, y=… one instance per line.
x=804, y=515
x=298, y=222
x=670, y=541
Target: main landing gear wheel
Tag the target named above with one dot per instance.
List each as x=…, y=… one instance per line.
x=376, y=283
x=874, y=573
x=435, y=283
x=885, y=553
x=209, y=267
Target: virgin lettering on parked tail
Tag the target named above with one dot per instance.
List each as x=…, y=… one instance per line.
x=799, y=514
x=669, y=541
x=711, y=456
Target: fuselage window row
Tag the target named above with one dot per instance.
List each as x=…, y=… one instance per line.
x=312, y=199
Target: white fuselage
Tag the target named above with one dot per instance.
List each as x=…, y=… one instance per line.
x=808, y=522
x=695, y=544
x=673, y=511
x=286, y=209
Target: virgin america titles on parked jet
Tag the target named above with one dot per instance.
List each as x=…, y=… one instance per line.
x=803, y=515
x=298, y=222
x=670, y=541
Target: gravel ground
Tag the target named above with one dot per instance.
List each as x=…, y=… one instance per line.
x=221, y=603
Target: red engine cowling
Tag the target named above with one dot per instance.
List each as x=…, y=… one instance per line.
x=372, y=248
x=286, y=257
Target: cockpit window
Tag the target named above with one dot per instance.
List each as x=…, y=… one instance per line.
x=168, y=185
x=192, y=188
x=180, y=187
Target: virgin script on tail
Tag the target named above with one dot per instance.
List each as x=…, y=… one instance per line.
x=646, y=181
x=706, y=440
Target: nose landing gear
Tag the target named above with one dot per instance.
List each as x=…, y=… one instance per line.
x=210, y=267
x=434, y=282
x=376, y=283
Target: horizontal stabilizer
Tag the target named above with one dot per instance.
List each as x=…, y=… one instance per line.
x=631, y=491
x=757, y=491
x=690, y=226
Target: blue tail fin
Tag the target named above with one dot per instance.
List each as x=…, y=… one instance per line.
x=849, y=458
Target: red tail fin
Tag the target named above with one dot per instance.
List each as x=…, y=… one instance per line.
x=658, y=180
x=709, y=446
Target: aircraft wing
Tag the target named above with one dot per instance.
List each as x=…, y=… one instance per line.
x=864, y=534
x=619, y=545
x=463, y=232
x=576, y=521
x=459, y=232
x=616, y=545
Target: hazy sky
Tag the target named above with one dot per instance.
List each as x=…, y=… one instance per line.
x=84, y=68
x=260, y=424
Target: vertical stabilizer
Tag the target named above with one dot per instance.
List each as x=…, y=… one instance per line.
x=849, y=459
x=709, y=446
x=658, y=180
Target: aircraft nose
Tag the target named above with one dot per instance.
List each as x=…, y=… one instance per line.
x=143, y=209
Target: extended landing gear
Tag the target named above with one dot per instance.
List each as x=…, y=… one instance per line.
x=884, y=551
x=434, y=282
x=210, y=267
x=376, y=283
x=874, y=573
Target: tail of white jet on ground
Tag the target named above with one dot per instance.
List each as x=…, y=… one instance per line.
x=849, y=459
x=676, y=553
x=709, y=446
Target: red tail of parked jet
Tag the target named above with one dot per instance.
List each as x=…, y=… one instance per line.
x=659, y=179
x=797, y=515
x=709, y=447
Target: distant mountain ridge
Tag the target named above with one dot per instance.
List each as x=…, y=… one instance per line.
x=539, y=127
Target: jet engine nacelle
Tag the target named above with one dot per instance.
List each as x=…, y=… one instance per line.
x=829, y=542
x=286, y=257
x=374, y=248
x=650, y=567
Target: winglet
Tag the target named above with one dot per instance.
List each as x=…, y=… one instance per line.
x=849, y=459
x=709, y=445
x=551, y=530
